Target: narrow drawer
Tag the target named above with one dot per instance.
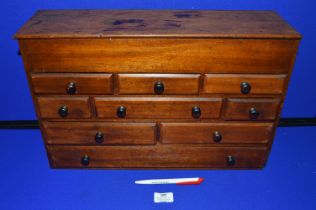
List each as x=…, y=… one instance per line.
x=163, y=55
x=158, y=83
x=215, y=133
x=251, y=109
x=154, y=107
x=99, y=133
x=156, y=156
x=64, y=107
x=244, y=84
x=68, y=83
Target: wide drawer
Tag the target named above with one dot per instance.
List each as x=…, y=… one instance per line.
x=98, y=133
x=67, y=83
x=158, y=83
x=244, y=84
x=156, y=156
x=215, y=133
x=189, y=55
x=64, y=107
x=251, y=109
x=154, y=107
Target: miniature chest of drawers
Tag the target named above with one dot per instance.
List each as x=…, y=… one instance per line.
x=158, y=89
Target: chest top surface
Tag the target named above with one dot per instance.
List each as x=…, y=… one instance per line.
x=156, y=23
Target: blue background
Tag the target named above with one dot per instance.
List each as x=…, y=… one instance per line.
x=16, y=100
x=27, y=182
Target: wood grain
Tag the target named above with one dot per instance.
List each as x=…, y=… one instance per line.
x=156, y=156
x=202, y=133
x=56, y=83
x=156, y=23
x=144, y=83
x=78, y=107
x=157, y=108
x=83, y=133
x=238, y=109
x=230, y=83
x=201, y=57
x=159, y=55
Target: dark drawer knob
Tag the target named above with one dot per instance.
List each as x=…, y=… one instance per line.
x=196, y=112
x=245, y=87
x=19, y=52
x=85, y=160
x=230, y=160
x=217, y=137
x=63, y=111
x=253, y=113
x=71, y=88
x=159, y=87
x=99, y=137
x=121, y=112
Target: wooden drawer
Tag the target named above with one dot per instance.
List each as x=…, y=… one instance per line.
x=156, y=156
x=215, y=133
x=64, y=107
x=157, y=107
x=160, y=55
x=98, y=133
x=244, y=84
x=158, y=83
x=67, y=83
x=251, y=109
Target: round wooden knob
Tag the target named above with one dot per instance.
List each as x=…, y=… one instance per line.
x=159, y=87
x=121, y=112
x=253, y=113
x=85, y=160
x=230, y=160
x=196, y=112
x=71, y=88
x=245, y=87
x=99, y=137
x=63, y=111
x=217, y=137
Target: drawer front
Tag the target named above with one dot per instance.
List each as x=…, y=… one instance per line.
x=215, y=133
x=160, y=55
x=244, y=84
x=158, y=83
x=251, y=109
x=67, y=83
x=99, y=133
x=157, y=156
x=154, y=107
x=64, y=107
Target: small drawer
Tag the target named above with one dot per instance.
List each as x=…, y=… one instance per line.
x=154, y=107
x=64, y=107
x=243, y=84
x=68, y=83
x=215, y=133
x=163, y=156
x=251, y=109
x=158, y=83
x=99, y=133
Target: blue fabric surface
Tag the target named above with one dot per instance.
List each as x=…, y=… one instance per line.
x=287, y=182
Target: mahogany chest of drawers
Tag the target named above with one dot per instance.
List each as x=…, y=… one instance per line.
x=158, y=89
